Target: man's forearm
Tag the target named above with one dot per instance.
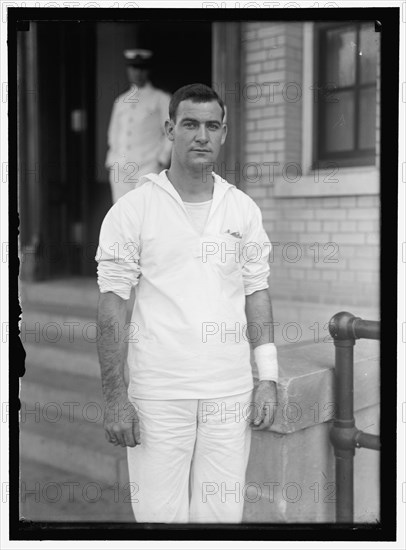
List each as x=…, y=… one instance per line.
x=261, y=334
x=111, y=347
x=258, y=309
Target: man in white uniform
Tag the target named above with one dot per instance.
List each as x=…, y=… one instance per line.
x=136, y=136
x=196, y=251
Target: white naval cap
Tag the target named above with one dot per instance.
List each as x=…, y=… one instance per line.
x=138, y=57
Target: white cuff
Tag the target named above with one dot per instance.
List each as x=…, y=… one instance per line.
x=267, y=362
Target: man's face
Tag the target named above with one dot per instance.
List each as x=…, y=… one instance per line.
x=197, y=134
x=137, y=76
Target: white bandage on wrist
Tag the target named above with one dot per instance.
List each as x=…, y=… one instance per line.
x=267, y=362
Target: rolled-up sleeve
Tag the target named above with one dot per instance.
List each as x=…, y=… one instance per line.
x=255, y=253
x=118, y=253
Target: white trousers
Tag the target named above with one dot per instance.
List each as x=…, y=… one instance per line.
x=191, y=464
x=128, y=178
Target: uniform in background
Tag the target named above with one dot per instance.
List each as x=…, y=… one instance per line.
x=136, y=139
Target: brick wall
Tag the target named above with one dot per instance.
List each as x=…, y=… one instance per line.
x=304, y=267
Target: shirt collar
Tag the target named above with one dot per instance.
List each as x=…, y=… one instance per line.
x=221, y=186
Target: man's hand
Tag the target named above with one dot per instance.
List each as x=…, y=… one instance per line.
x=121, y=423
x=265, y=401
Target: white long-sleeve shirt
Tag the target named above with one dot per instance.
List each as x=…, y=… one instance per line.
x=189, y=314
x=136, y=130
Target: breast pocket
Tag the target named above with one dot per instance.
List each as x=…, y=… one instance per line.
x=223, y=253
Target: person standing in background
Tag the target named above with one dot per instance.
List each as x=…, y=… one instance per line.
x=136, y=135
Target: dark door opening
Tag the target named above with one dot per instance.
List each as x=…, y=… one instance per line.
x=54, y=147
x=78, y=70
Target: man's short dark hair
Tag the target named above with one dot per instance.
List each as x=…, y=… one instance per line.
x=197, y=93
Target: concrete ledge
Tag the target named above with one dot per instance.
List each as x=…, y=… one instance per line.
x=306, y=385
x=293, y=475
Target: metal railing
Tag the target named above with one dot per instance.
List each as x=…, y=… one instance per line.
x=345, y=328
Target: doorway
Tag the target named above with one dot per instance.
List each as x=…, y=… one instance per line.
x=55, y=69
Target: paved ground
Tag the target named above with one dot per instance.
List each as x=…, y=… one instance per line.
x=50, y=494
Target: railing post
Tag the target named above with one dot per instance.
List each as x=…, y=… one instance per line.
x=345, y=423
x=345, y=328
x=343, y=429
